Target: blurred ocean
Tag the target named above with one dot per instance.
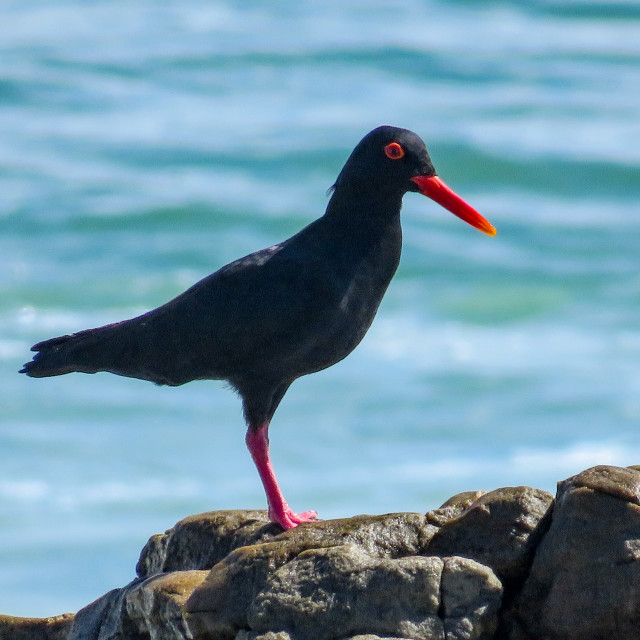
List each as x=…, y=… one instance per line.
x=143, y=145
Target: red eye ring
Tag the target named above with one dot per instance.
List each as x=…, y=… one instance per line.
x=394, y=151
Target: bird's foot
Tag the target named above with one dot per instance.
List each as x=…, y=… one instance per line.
x=287, y=519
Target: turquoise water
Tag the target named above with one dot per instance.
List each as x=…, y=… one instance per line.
x=143, y=145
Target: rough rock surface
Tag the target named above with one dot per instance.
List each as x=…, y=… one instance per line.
x=200, y=541
x=511, y=564
x=55, y=628
x=501, y=529
x=585, y=578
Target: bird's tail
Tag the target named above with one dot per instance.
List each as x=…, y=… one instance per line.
x=87, y=352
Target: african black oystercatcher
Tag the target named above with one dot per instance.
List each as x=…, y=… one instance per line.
x=275, y=315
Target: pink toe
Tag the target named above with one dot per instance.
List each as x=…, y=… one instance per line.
x=307, y=516
x=289, y=520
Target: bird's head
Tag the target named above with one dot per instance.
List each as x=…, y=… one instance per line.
x=390, y=160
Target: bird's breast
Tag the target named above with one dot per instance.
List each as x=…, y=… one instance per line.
x=358, y=282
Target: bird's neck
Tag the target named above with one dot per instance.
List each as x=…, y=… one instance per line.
x=358, y=206
x=367, y=226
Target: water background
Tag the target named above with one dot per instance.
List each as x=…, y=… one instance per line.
x=143, y=145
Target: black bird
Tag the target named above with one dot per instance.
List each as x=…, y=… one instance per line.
x=275, y=315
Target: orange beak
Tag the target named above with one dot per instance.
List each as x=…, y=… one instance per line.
x=437, y=190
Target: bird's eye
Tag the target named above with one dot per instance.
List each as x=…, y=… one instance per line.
x=394, y=151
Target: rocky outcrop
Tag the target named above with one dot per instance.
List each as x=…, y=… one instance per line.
x=585, y=578
x=511, y=564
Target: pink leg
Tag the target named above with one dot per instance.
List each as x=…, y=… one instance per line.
x=279, y=511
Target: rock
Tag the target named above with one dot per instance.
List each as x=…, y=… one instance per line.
x=283, y=635
x=103, y=619
x=153, y=555
x=150, y=608
x=585, y=580
x=155, y=607
x=54, y=628
x=200, y=541
x=220, y=604
x=218, y=608
x=393, y=535
x=453, y=507
x=471, y=596
x=371, y=636
x=342, y=591
x=254, y=635
x=500, y=529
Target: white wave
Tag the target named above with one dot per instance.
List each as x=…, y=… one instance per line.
x=24, y=490
x=11, y=349
x=35, y=491
x=499, y=349
x=537, y=467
